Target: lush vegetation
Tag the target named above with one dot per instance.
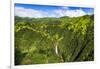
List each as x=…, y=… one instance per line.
x=54, y=40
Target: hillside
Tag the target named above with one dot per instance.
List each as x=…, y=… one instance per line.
x=54, y=40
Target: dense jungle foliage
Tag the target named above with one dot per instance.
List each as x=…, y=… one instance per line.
x=54, y=40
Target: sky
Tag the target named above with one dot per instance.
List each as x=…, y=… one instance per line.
x=40, y=11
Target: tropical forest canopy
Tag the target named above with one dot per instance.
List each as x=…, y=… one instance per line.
x=54, y=40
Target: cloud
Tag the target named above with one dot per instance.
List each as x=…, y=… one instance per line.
x=64, y=11
x=24, y=12
x=75, y=13
x=71, y=13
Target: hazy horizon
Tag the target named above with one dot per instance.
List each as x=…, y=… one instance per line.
x=42, y=11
